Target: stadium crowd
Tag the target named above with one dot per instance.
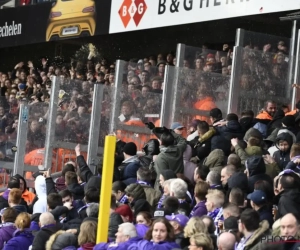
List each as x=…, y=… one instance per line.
x=210, y=181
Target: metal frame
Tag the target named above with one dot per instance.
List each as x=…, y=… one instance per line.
x=239, y=38
x=296, y=75
x=180, y=54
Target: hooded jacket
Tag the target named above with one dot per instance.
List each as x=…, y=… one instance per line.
x=22, y=240
x=20, y=208
x=76, y=190
x=282, y=158
x=114, y=221
x=170, y=157
x=233, y=129
x=60, y=240
x=40, y=186
x=128, y=169
x=215, y=160
x=6, y=232
x=256, y=171
x=117, y=246
x=149, y=245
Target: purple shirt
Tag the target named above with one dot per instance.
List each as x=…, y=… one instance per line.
x=199, y=210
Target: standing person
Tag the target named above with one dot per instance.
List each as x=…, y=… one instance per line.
x=26, y=195
x=268, y=112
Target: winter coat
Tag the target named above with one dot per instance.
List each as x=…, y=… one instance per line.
x=20, y=208
x=117, y=246
x=40, y=186
x=237, y=180
x=181, y=240
x=22, y=240
x=265, y=213
x=6, y=233
x=42, y=236
x=114, y=221
x=76, y=190
x=152, y=195
x=170, y=158
x=282, y=158
x=85, y=172
x=257, y=171
x=233, y=129
x=60, y=240
x=289, y=202
x=189, y=167
x=215, y=160
x=128, y=170
x=201, y=146
x=149, y=245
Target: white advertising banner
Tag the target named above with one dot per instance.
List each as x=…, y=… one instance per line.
x=130, y=15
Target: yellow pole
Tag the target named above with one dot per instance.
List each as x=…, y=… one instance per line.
x=106, y=188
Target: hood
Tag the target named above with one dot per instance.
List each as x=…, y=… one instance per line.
x=21, y=177
x=76, y=189
x=233, y=126
x=168, y=174
x=40, y=185
x=239, y=180
x=214, y=159
x=255, y=165
x=254, y=150
x=247, y=123
x=152, y=147
x=60, y=240
x=285, y=130
x=253, y=132
x=132, y=159
x=60, y=183
x=20, y=208
x=284, y=137
x=94, y=181
x=187, y=155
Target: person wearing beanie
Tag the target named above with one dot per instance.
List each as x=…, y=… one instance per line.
x=284, y=142
x=130, y=165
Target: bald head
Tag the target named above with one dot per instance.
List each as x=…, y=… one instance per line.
x=288, y=225
x=226, y=241
x=46, y=219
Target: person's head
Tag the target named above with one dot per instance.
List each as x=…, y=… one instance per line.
x=156, y=83
x=178, y=188
x=71, y=178
x=257, y=199
x=249, y=221
x=231, y=209
x=171, y=204
x=166, y=187
x=66, y=195
x=195, y=225
x=13, y=182
x=125, y=232
x=118, y=189
x=201, y=173
x=9, y=215
x=214, y=199
x=46, y=218
x=202, y=128
x=92, y=195
x=289, y=226
x=23, y=185
x=135, y=192
x=213, y=178
x=167, y=139
x=14, y=197
x=125, y=212
x=23, y=221
x=215, y=114
x=234, y=160
x=226, y=241
x=54, y=200
x=236, y=196
x=68, y=167
x=88, y=232
x=226, y=173
x=178, y=222
x=127, y=108
x=144, y=218
x=177, y=127
x=295, y=150
x=161, y=230
x=201, y=189
x=284, y=142
x=144, y=174
x=271, y=107
x=201, y=241
x=92, y=210
x=209, y=223
x=129, y=150
x=266, y=187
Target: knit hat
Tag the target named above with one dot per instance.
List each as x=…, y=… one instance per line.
x=130, y=148
x=289, y=121
x=125, y=210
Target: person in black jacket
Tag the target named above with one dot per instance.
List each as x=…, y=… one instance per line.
x=258, y=200
x=284, y=142
x=256, y=171
x=231, y=128
x=72, y=185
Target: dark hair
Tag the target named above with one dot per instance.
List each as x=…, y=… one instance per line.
x=54, y=200
x=144, y=174
x=288, y=182
x=202, y=171
x=147, y=216
x=237, y=196
x=266, y=187
x=170, y=231
x=249, y=113
x=68, y=167
x=13, y=182
x=167, y=139
x=201, y=190
x=295, y=150
x=9, y=214
x=232, y=117
x=92, y=195
x=171, y=204
x=65, y=193
x=203, y=126
x=211, y=227
x=71, y=178
x=250, y=219
x=118, y=185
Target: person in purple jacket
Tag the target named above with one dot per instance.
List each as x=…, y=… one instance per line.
x=201, y=190
x=159, y=237
x=7, y=227
x=125, y=236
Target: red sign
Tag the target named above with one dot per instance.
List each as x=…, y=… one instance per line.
x=132, y=9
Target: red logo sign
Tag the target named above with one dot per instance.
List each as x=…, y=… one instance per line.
x=134, y=9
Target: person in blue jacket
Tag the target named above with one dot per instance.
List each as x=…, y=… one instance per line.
x=125, y=236
x=159, y=237
x=22, y=238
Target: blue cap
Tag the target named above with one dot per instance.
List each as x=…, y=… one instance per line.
x=181, y=219
x=258, y=197
x=176, y=125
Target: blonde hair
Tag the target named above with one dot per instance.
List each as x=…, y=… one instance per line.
x=216, y=196
x=195, y=225
x=203, y=240
x=22, y=221
x=88, y=230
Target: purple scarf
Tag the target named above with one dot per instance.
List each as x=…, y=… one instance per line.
x=124, y=199
x=214, y=213
x=160, y=202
